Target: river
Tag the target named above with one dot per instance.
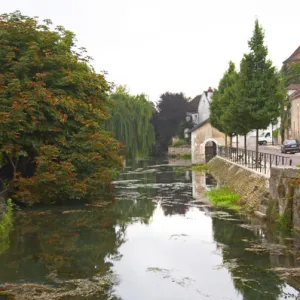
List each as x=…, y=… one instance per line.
x=160, y=239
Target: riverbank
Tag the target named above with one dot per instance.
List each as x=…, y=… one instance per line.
x=275, y=198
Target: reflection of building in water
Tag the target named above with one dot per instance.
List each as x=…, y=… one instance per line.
x=187, y=175
x=202, y=182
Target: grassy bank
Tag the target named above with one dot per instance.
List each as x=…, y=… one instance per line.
x=200, y=168
x=224, y=197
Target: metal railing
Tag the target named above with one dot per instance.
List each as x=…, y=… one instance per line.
x=259, y=161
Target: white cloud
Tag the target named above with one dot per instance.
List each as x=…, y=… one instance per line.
x=169, y=45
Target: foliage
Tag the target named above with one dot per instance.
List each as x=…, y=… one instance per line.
x=130, y=122
x=185, y=124
x=171, y=111
x=284, y=223
x=180, y=142
x=223, y=109
x=186, y=156
x=52, y=105
x=6, y=226
x=261, y=90
x=275, y=133
x=200, y=168
x=224, y=197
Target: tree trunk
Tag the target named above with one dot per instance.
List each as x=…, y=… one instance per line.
x=256, y=149
x=226, y=141
x=230, y=145
x=14, y=165
x=245, y=148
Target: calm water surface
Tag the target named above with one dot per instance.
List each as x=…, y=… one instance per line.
x=160, y=240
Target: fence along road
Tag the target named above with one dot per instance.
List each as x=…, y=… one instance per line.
x=258, y=161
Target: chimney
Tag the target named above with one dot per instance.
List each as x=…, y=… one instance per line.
x=209, y=93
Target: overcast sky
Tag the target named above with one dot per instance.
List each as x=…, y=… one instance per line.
x=155, y=46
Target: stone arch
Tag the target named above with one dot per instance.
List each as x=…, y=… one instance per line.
x=209, y=149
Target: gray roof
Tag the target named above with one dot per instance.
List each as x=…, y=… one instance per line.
x=199, y=125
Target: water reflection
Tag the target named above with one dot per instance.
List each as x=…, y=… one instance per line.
x=159, y=240
x=202, y=182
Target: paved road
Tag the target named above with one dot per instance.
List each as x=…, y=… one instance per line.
x=276, y=150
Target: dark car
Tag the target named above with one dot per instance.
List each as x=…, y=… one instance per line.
x=291, y=146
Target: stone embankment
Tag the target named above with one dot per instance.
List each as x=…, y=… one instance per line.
x=179, y=151
x=269, y=197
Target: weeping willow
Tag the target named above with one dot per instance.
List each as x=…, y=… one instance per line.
x=130, y=123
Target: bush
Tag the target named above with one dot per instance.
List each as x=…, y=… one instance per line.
x=180, y=142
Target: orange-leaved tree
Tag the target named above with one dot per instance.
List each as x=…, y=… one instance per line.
x=52, y=106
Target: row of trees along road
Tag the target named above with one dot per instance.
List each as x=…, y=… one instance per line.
x=52, y=109
x=252, y=98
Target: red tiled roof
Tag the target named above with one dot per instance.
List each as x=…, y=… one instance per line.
x=293, y=87
x=294, y=57
x=295, y=95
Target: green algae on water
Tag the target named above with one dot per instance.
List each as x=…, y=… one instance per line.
x=224, y=197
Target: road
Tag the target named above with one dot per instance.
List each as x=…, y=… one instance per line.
x=276, y=150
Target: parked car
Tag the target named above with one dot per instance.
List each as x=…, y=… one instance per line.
x=290, y=145
x=265, y=138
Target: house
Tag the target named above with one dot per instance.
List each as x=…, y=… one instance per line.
x=204, y=105
x=204, y=137
x=192, y=113
x=292, y=88
x=199, y=107
x=295, y=114
x=294, y=58
x=204, y=141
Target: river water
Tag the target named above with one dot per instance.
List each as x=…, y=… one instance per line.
x=159, y=240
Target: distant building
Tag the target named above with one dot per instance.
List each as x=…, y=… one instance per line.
x=199, y=107
x=295, y=114
x=294, y=58
x=192, y=113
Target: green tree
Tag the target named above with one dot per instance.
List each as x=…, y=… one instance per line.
x=223, y=106
x=261, y=95
x=52, y=106
x=171, y=111
x=130, y=122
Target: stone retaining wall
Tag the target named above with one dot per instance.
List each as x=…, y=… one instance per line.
x=284, y=187
x=179, y=150
x=252, y=186
x=272, y=197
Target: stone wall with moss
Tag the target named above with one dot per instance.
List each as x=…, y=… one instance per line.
x=277, y=197
x=251, y=185
x=285, y=192
x=182, y=150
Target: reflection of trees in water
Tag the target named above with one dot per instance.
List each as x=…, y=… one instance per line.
x=131, y=211
x=249, y=269
x=71, y=245
x=174, y=199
